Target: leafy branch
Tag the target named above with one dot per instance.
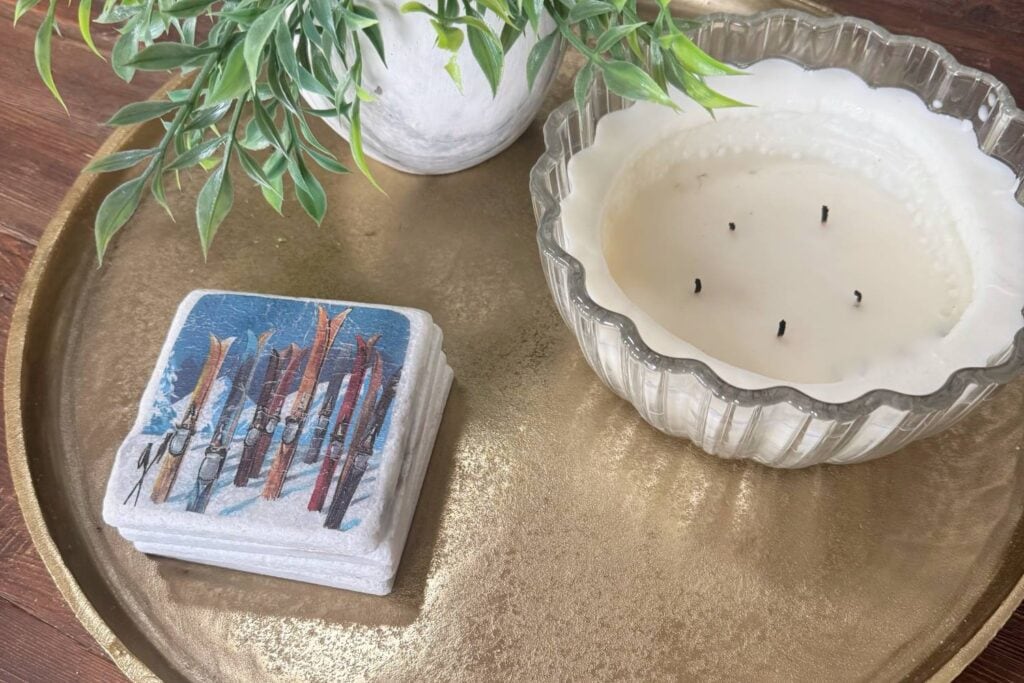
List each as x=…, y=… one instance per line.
x=245, y=101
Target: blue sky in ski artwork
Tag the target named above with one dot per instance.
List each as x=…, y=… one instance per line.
x=227, y=315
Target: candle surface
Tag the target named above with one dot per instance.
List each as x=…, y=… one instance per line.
x=920, y=223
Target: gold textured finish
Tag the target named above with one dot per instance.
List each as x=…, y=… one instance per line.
x=557, y=536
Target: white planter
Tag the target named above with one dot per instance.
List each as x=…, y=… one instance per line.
x=419, y=121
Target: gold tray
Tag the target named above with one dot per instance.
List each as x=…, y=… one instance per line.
x=557, y=536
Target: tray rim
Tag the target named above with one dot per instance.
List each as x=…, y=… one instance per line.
x=28, y=503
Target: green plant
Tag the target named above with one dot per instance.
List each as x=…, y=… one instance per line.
x=243, y=105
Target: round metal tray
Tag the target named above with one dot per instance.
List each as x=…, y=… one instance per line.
x=557, y=536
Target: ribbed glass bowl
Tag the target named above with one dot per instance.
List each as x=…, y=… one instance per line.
x=778, y=426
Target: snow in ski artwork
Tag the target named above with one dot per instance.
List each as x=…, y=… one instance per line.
x=280, y=422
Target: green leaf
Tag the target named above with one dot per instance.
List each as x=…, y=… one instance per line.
x=326, y=160
x=509, y=35
x=114, y=212
x=448, y=37
x=499, y=7
x=410, y=7
x=534, y=11
x=695, y=60
x=253, y=170
x=253, y=138
x=44, y=36
x=213, y=204
x=207, y=116
x=373, y=31
x=614, y=35
x=275, y=165
x=581, y=85
x=321, y=10
x=21, y=7
x=256, y=38
x=356, y=143
x=359, y=20
x=309, y=82
x=164, y=56
x=183, y=9
x=489, y=55
x=123, y=52
x=538, y=55
x=273, y=169
x=188, y=31
x=120, y=160
x=193, y=156
x=452, y=67
x=232, y=80
x=630, y=81
x=84, y=18
x=469, y=20
x=244, y=16
x=699, y=92
x=284, y=48
x=586, y=9
x=308, y=190
x=137, y=112
x=656, y=65
x=312, y=33
x=157, y=188
x=116, y=14
x=267, y=127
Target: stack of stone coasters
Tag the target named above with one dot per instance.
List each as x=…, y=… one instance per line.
x=282, y=436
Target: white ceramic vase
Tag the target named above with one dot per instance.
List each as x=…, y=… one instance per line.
x=419, y=121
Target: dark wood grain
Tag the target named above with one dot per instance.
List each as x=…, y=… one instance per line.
x=42, y=150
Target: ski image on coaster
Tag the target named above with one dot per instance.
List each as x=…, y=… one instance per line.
x=181, y=437
x=216, y=453
x=326, y=332
x=364, y=347
x=277, y=381
x=346, y=397
x=362, y=449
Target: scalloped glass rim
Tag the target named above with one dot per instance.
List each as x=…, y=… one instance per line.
x=991, y=130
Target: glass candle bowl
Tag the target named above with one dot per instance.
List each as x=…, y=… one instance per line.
x=778, y=426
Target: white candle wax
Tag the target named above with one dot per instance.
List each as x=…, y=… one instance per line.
x=920, y=222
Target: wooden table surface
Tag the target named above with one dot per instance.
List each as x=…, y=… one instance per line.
x=42, y=150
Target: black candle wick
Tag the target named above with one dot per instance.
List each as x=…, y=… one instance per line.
x=824, y=214
x=782, y=328
x=697, y=286
x=732, y=226
x=859, y=296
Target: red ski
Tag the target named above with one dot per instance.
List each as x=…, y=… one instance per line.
x=366, y=412
x=326, y=332
x=360, y=452
x=364, y=347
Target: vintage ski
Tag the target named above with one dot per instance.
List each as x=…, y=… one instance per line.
x=360, y=453
x=183, y=432
x=364, y=347
x=281, y=369
x=326, y=331
x=323, y=418
x=366, y=412
x=217, y=451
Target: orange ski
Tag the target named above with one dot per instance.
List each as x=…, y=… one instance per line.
x=183, y=432
x=326, y=331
